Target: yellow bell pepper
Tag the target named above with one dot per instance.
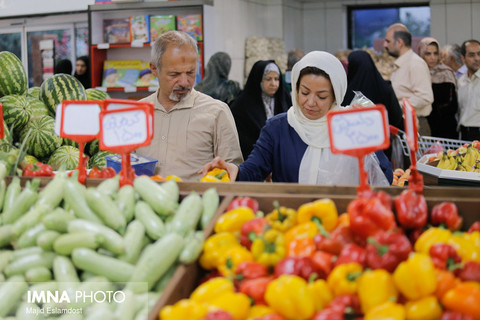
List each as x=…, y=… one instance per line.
x=289, y=296
x=323, y=212
x=321, y=293
x=430, y=237
x=216, y=175
x=232, y=258
x=415, y=278
x=375, y=287
x=258, y=311
x=426, y=308
x=184, y=309
x=282, y=218
x=304, y=230
x=215, y=247
x=212, y=289
x=268, y=249
x=344, y=278
x=465, y=246
x=173, y=177
x=237, y=304
x=386, y=311
x=233, y=220
x=474, y=237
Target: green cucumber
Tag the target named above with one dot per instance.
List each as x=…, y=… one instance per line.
x=157, y=197
x=30, y=219
x=109, y=187
x=20, y=253
x=104, y=207
x=153, y=224
x=187, y=215
x=58, y=220
x=65, y=243
x=10, y=293
x=52, y=193
x=64, y=270
x=93, y=284
x=75, y=198
x=126, y=309
x=171, y=187
x=21, y=265
x=165, y=279
x=12, y=192
x=154, y=262
x=46, y=239
x=193, y=247
x=210, y=201
x=22, y=202
x=38, y=274
x=5, y=257
x=112, y=240
x=134, y=241
x=125, y=201
x=29, y=237
x=3, y=189
x=49, y=286
x=6, y=235
x=111, y=268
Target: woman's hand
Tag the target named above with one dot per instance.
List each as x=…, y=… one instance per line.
x=220, y=163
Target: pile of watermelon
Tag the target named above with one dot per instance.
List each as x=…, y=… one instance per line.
x=29, y=115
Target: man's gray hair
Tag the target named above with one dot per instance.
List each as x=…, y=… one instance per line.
x=175, y=38
x=453, y=50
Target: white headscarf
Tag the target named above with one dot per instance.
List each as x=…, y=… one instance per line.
x=319, y=165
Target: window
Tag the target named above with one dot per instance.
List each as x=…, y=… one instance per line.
x=367, y=25
x=11, y=42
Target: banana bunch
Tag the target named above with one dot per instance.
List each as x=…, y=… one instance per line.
x=465, y=158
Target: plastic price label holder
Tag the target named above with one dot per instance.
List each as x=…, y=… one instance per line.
x=358, y=132
x=2, y=130
x=78, y=120
x=415, y=182
x=115, y=104
x=123, y=130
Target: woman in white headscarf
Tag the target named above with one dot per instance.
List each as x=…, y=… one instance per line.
x=294, y=146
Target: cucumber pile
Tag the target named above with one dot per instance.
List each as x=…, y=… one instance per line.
x=71, y=252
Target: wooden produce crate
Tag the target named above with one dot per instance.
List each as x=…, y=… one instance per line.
x=186, y=278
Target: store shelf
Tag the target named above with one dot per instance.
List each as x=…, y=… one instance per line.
x=148, y=5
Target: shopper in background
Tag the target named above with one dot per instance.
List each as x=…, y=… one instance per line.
x=411, y=77
x=191, y=128
x=63, y=66
x=363, y=76
x=444, y=85
x=451, y=55
x=469, y=92
x=82, y=71
x=294, y=146
x=292, y=57
x=263, y=97
x=216, y=83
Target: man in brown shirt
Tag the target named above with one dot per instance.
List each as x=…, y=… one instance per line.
x=190, y=128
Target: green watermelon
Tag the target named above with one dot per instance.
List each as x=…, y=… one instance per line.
x=5, y=142
x=96, y=94
x=98, y=159
x=66, y=156
x=16, y=110
x=68, y=142
x=13, y=78
x=43, y=140
x=37, y=107
x=61, y=87
x=92, y=147
x=34, y=92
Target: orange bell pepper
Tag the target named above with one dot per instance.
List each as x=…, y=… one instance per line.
x=464, y=298
x=304, y=230
x=445, y=281
x=302, y=247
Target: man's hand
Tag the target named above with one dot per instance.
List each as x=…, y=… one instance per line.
x=220, y=163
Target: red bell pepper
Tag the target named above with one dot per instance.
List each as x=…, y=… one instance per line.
x=444, y=256
x=219, y=315
x=251, y=229
x=449, y=315
x=38, y=170
x=255, y=289
x=323, y=261
x=446, y=213
x=243, y=202
x=469, y=272
x=352, y=253
x=385, y=199
x=386, y=250
x=340, y=308
x=299, y=266
x=474, y=227
x=411, y=209
x=339, y=237
x=273, y=316
x=249, y=270
x=369, y=216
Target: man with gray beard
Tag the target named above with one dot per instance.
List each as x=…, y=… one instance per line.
x=190, y=128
